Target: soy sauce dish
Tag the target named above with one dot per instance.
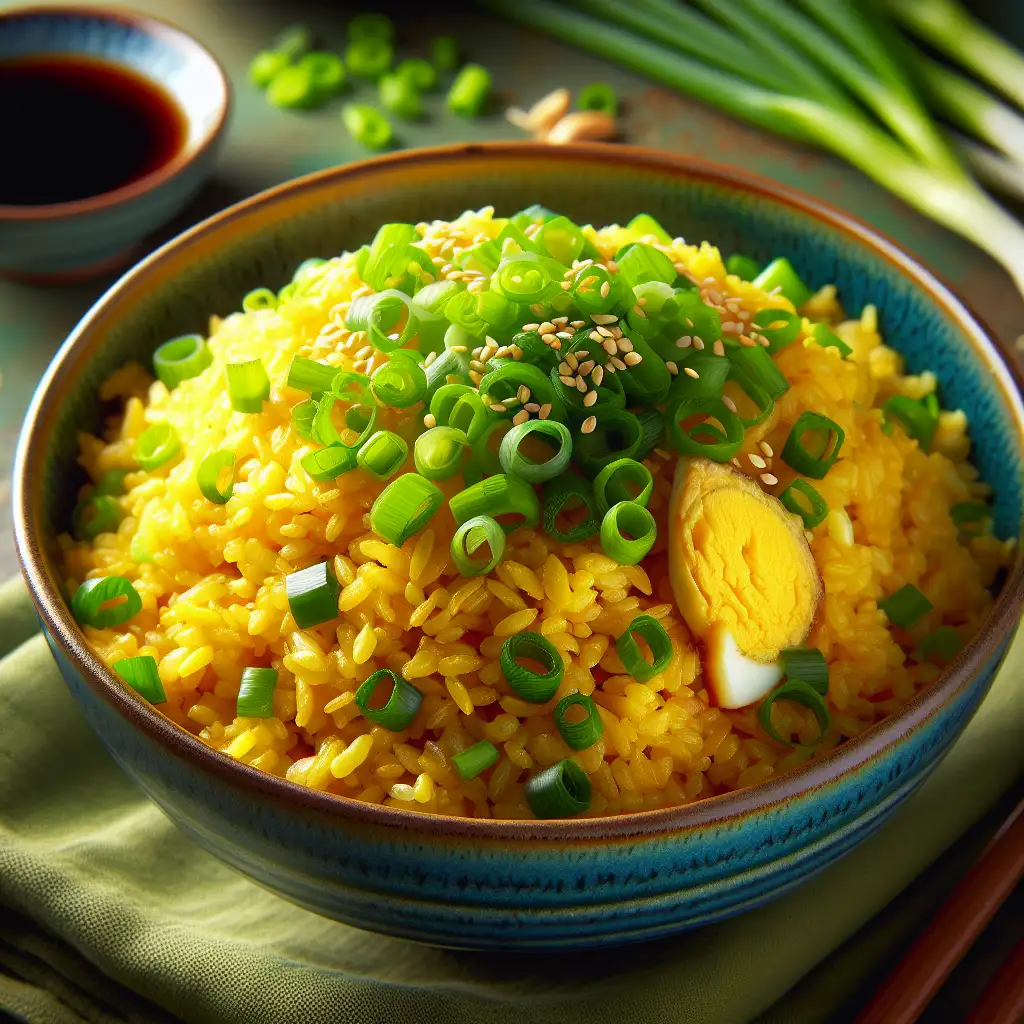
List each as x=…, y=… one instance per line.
x=508, y=545
x=117, y=117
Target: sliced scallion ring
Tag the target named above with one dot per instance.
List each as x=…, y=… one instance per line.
x=142, y=675
x=106, y=601
x=98, y=514
x=501, y=495
x=310, y=375
x=330, y=463
x=632, y=656
x=579, y=728
x=779, y=326
x=404, y=507
x=628, y=532
x=469, y=763
x=801, y=498
x=248, y=385
x=469, y=538
x=905, y=606
x=403, y=701
x=528, y=684
x=623, y=480
x=209, y=473
x=799, y=692
x=915, y=419
x=808, y=664
x=515, y=461
x=156, y=445
x=313, y=594
x=439, y=451
x=383, y=454
x=703, y=438
x=561, y=791
x=181, y=358
x=814, y=462
x=561, y=497
x=256, y=693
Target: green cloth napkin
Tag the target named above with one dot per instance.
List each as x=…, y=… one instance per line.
x=94, y=878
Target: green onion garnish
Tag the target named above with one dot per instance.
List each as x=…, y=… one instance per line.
x=596, y=289
x=754, y=368
x=99, y=514
x=779, y=326
x=561, y=239
x=827, y=338
x=209, y=473
x=311, y=376
x=623, y=480
x=264, y=67
x=259, y=299
x=420, y=73
x=468, y=414
x=302, y=416
x=563, y=495
x=256, y=693
x=968, y=512
x=712, y=373
x=718, y=443
x=369, y=58
x=495, y=496
x=632, y=657
x=444, y=52
x=248, y=385
x=532, y=686
x=780, y=274
x=111, y=484
x=142, y=675
x=744, y=267
x=325, y=431
x=601, y=96
x=330, y=463
x=646, y=382
x=293, y=41
x=942, y=644
x=470, y=90
x=387, y=317
x=469, y=538
x=181, y=358
x=617, y=435
x=585, y=731
x=469, y=763
x=507, y=380
x=105, y=601
x=293, y=88
x=157, y=445
x=313, y=594
x=638, y=263
x=906, y=606
x=399, y=94
x=400, y=382
x=326, y=75
x=404, y=507
x=799, y=692
x=383, y=454
x=371, y=26
x=628, y=532
x=916, y=421
x=808, y=664
x=561, y=791
x=643, y=224
x=827, y=438
x=516, y=462
x=403, y=701
x=367, y=125
x=652, y=424
x=801, y=498
x=438, y=452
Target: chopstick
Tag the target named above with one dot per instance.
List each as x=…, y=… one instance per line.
x=1003, y=1001
x=952, y=931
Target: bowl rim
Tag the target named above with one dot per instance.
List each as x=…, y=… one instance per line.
x=800, y=782
x=180, y=40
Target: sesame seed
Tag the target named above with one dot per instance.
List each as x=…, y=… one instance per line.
x=581, y=384
x=612, y=267
x=757, y=461
x=688, y=321
x=597, y=375
x=729, y=403
x=663, y=454
x=589, y=425
x=745, y=341
x=641, y=302
x=437, y=261
x=590, y=398
x=766, y=448
x=500, y=353
x=559, y=320
x=583, y=263
x=447, y=268
x=520, y=417
x=684, y=342
x=572, y=360
x=359, y=366
x=763, y=342
x=498, y=407
x=632, y=358
x=516, y=351
x=639, y=312
x=603, y=318
x=625, y=345
x=509, y=402
x=452, y=378
x=475, y=377
x=691, y=372
x=477, y=352
x=569, y=382
x=672, y=368
x=556, y=344
x=566, y=285
x=531, y=327
x=594, y=336
x=477, y=365
x=431, y=356
x=769, y=479
x=588, y=282
x=578, y=324
x=547, y=328
x=715, y=296
x=537, y=309
x=610, y=368
x=616, y=333
x=736, y=463
x=698, y=344
x=564, y=370
x=430, y=420
x=604, y=332
x=605, y=289
x=618, y=363
x=719, y=348
x=531, y=407
x=545, y=411
x=458, y=348
x=743, y=314
x=586, y=367
x=365, y=352
x=523, y=394
x=564, y=335
x=609, y=346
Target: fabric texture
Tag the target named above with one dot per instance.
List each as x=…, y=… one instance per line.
x=110, y=914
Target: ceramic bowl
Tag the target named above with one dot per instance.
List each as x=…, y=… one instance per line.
x=483, y=883
x=77, y=239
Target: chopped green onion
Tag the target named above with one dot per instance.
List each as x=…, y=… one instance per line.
x=917, y=422
x=561, y=239
x=438, y=452
x=942, y=644
x=652, y=424
x=827, y=338
x=470, y=415
x=444, y=52
x=387, y=317
x=470, y=537
x=643, y=224
x=248, y=385
x=628, y=532
x=400, y=382
x=309, y=375
x=598, y=96
x=968, y=512
x=514, y=461
x=778, y=326
x=648, y=381
x=367, y=125
x=561, y=791
x=495, y=496
x=156, y=445
x=382, y=454
x=808, y=664
x=330, y=463
x=209, y=473
x=618, y=435
x=528, y=684
x=256, y=693
x=639, y=263
x=528, y=277
x=98, y=514
x=433, y=297
x=293, y=41
x=696, y=320
x=92, y=603
x=931, y=403
x=369, y=57
x=258, y=300
x=371, y=26
x=181, y=358
x=721, y=444
x=264, y=67
x=447, y=365
x=560, y=495
x=143, y=676
x=403, y=701
x=327, y=433
x=111, y=484
x=610, y=486
x=744, y=267
x=589, y=292
x=754, y=368
x=813, y=463
x=631, y=655
x=404, y=507
x=313, y=594
x=469, y=91
x=799, y=692
x=421, y=74
x=585, y=731
x=801, y=498
x=507, y=381
x=399, y=95
x=293, y=88
x=905, y=606
x=712, y=373
x=780, y=274
x=469, y=763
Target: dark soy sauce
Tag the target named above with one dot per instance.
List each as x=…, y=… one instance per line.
x=76, y=127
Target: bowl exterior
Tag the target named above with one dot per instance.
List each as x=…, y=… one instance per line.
x=529, y=884
x=91, y=235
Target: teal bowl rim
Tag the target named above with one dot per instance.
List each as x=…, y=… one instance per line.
x=723, y=809
x=150, y=25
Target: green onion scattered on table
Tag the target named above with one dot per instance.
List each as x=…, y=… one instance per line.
x=367, y=125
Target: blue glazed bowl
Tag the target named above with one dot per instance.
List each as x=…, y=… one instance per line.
x=66, y=241
x=528, y=884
